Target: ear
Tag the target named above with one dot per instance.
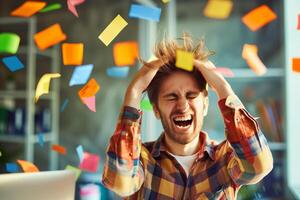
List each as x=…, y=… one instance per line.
x=155, y=110
x=205, y=105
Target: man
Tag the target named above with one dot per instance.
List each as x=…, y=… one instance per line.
x=183, y=163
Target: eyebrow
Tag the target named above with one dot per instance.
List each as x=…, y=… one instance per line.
x=173, y=94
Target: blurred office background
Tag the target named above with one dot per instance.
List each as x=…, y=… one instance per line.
x=271, y=97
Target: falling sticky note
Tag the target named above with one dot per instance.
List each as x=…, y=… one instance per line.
x=81, y=74
x=9, y=43
x=49, y=37
x=250, y=55
x=90, y=162
x=13, y=63
x=118, y=72
x=144, y=12
x=90, y=102
x=43, y=85
x=225, y=71
x=258, y=17
x=165, y=1
x=296, y=64
x=125, y=53
x=146, y=104
x=80, y=153
x=51, y=7
x=72, y=53
x=298, y=27
x=64, y=105
x=59, y=149
x=27, y=166
x=74, y=169
x=184, y=60
x=90, y=89
x=28, y=8
x=12, y=167
x=218, y=9
x=41, y=139
x=112, y=30
x=72, y=8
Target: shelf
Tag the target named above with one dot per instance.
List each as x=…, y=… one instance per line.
x=277, y=146
x=248, y=73
x=21, y=94
x=21, y=139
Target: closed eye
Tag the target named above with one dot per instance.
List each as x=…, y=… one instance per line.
x=170, y=97
x=192, y=95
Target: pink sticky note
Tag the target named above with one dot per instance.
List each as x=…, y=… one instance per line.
x=225, y=71
x=72, y=8
x=298, y=22
x=90, y=102
x=90, y=162
x=76, y=2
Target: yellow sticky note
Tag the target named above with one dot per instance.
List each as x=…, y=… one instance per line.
x=28, y=8
x=112, y=30
x=165, y=1
x=75, y=169
x=218, y=9
x=250, y=55
x=27, y=166
x=184, y=60
x=43, y=85
x=125, y=53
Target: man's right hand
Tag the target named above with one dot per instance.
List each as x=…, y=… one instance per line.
x=140, y=83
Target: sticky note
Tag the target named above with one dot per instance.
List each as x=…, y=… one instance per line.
x=28, y=8
x=13, y=63
x=218, y=9
x=27, y=166
x=165, y=1
x=118, y=72
x=77, y=2
x=89, y=191
x=81, y=74
x=125, y=53
x=9, y=43
x=49, y=37
x=298, y=27
x=72, y=53
x=90, y=162
x=79, y=150
x=12, y=167
x=146, y=105
x=0, y=153
x=90, y=102
x=59, y=149
x=90, y=89
x=64, y=105
x=225, y=71
x=250, y=55
x=258, y=17
x=41, y=139
x=74, y=169
x=296, y=64
x=184, y=60
x=51, y=7
x=144, y=12
x=72, y=8
x=112, y=30
x=43, y=85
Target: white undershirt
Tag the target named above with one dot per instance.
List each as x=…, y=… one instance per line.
x=185, y=161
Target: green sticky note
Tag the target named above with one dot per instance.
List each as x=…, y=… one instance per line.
x=51, y=7
x=75, y=169
x=9, y=43
x=184, y=60
x=146, y=105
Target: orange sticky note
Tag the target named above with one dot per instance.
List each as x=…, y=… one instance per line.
x=250, y=55
x=72, y=53
x=184, y=60
x=258, y=17
x=28, y=8
x=27, y=166
x=218, y=9
x=49, y=37
x=125, y=53
x=90, y=89
x=296, y=64
x=59, y=149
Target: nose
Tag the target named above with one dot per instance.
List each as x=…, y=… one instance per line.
x=182, y=105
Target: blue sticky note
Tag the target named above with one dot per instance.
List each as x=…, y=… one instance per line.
x=12, y=167
x=119, y=72
x=13, y=63
x=41, y=139
x=145, y=12
x=81, y=74
x=64, y=105
x=80, y=152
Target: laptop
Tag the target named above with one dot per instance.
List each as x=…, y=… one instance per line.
x=49, y=185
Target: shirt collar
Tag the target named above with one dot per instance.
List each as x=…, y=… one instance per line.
x=205, y=147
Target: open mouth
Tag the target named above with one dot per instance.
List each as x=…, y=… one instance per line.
x=183, y=122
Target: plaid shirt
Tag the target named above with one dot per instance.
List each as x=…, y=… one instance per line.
x=147, y=171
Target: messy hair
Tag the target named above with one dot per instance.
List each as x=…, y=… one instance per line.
x=166, y=51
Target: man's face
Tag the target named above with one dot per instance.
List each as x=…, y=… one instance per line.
x=181, y=106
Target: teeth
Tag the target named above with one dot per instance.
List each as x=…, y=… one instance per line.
x=185, y=118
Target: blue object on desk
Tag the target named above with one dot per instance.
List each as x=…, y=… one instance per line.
x=145, y=12
x=13, y=63
x=12, y=167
